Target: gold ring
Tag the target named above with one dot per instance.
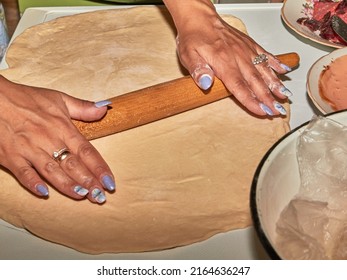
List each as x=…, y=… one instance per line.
x=61, y=154
x=260, y=59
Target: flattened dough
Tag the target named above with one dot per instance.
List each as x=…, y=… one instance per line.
x=179, y=180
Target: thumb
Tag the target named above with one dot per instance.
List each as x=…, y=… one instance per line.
x=202, y=75
x=198, y=68
x=84, y=110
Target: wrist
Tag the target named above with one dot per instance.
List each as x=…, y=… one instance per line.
x=193, y=12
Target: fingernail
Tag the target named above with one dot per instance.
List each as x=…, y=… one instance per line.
x=286, y=67
x=280, y=108
x=205, y=81
x=102, y=103
x=80, y=190
x=108, y=183
x=42, y=189
x=98, y=196
x=266, y=109
x=285, y=91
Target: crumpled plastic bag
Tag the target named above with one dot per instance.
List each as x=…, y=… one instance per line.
x=314, y=224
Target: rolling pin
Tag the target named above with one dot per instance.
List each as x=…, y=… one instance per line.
x=158, y=102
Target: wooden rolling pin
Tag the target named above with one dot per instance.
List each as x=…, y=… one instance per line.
x=159, y=101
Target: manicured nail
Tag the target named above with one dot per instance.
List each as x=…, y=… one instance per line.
x=280, y=108
x=98, y=196
x=286, y=67
x=266, y=109
x=42, y=189
x=108, y=183
x=102, y=103
x=285, y=91
x=80, y=190
x=205, y=81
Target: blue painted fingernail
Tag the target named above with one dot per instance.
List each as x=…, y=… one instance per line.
x=205, y=81
x=108, y=183
x=80, y=190
x=266, y=109
x=42, y=189
x=98, y=196
x=285, y=91
x=102, y=103
x=280, y=108
x=286, y=67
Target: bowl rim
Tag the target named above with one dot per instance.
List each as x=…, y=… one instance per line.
x=264, y=240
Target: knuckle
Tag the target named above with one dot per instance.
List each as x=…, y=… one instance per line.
x=88, y=181
x=51, y=167
x=26, y=174
x=255, y=77
x=239, y=83
x=100, y=169
x=240, y=90
x=86, y=150
x=71, y=162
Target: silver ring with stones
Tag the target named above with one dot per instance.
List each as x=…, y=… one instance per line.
x=260, y=59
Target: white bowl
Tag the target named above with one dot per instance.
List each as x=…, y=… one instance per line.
x=275, y=183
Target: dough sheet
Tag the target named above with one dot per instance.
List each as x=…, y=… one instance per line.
x=179, y=180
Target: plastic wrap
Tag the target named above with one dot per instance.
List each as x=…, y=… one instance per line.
x=314, y=224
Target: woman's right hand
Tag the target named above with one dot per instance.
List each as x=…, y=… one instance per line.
x=35, y=123
x=208, y=46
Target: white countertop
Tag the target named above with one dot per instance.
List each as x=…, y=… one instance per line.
x=264, y=24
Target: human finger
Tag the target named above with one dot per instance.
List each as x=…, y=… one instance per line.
x=86, y=162
x=72, y=178
x=29, y=178
x=198, y=68
x=266, y=84
x=72, y=165
x=84, y=110
x=92, y=160
x=276, y=65
x=273, y=62
x=258, y=82
x=274, y=83
x=49, y=167
x=30, y=175
x=241, y=90
x=202, y=74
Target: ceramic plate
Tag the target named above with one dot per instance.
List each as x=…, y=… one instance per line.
x=313, y=80
x=291, y=11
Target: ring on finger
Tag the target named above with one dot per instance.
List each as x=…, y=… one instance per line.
x=61, y=154
x=260, y=59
